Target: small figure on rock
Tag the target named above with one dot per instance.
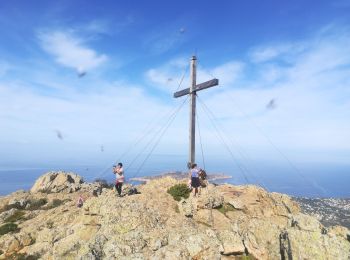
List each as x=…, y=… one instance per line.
x=80, y=202
x=119, y=174
x=194, y=176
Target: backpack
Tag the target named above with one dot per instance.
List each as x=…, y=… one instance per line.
x=202, y=174
x=133, y=191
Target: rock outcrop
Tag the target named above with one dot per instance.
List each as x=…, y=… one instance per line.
x=225, y=222
x=54, y=182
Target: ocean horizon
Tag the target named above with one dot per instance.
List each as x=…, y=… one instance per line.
x=311, y=181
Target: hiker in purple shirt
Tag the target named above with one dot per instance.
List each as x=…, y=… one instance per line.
x=194, y=176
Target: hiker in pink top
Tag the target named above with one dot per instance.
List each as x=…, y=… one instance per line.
x=119, y=174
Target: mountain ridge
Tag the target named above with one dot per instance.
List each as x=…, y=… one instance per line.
x=225, y=222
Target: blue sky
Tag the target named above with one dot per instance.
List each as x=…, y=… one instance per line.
x=295, y=54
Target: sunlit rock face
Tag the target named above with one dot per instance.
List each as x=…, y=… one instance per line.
x=224, y=222
x=53, y=182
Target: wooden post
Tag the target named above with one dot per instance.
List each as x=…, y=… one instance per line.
x=192, y=133
x=192, y=92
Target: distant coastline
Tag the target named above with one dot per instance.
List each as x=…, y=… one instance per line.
x=281, y=181
x=179, y=176
x=329, y=211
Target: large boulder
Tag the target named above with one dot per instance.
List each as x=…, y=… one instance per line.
x=53, y=182
x=210, y=198
x=4, y=215
x=232, y=243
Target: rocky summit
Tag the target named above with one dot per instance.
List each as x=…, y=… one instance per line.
x=224, y=222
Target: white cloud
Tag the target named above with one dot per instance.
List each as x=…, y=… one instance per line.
x=113, y=116
x=97, y=26
x=313, y=101
x=310, y=121
x=227, y=74
x=271, y=52
x=70, y=51
x=168, y=76
x=271, y=73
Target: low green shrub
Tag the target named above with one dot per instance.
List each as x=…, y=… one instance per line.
x=49, y=224
x=15, y=216
x=225, y=208
x=179, y=191
x=12, y=206
x=37, y=204
x=54, y=203
x=7, y=228
x=46, y=191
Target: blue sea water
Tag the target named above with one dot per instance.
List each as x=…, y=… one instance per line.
x=308, y=181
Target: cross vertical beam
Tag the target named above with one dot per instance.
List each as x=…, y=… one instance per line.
x=192, y=92
x=192, y=133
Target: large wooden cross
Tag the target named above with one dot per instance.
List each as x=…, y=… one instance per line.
x=192, y=92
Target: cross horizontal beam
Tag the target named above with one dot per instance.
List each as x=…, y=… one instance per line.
x=204, y=85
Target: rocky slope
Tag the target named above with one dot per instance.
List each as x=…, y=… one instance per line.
x=225, y=222
x=328, y=211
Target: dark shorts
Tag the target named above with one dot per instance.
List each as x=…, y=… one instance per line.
x=195, y=182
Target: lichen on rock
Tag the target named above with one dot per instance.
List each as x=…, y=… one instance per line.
x=152, y=225
x=53, y=182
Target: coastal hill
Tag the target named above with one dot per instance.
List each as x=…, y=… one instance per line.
x=224, y=222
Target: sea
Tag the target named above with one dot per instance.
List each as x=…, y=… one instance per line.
x=308, y=180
